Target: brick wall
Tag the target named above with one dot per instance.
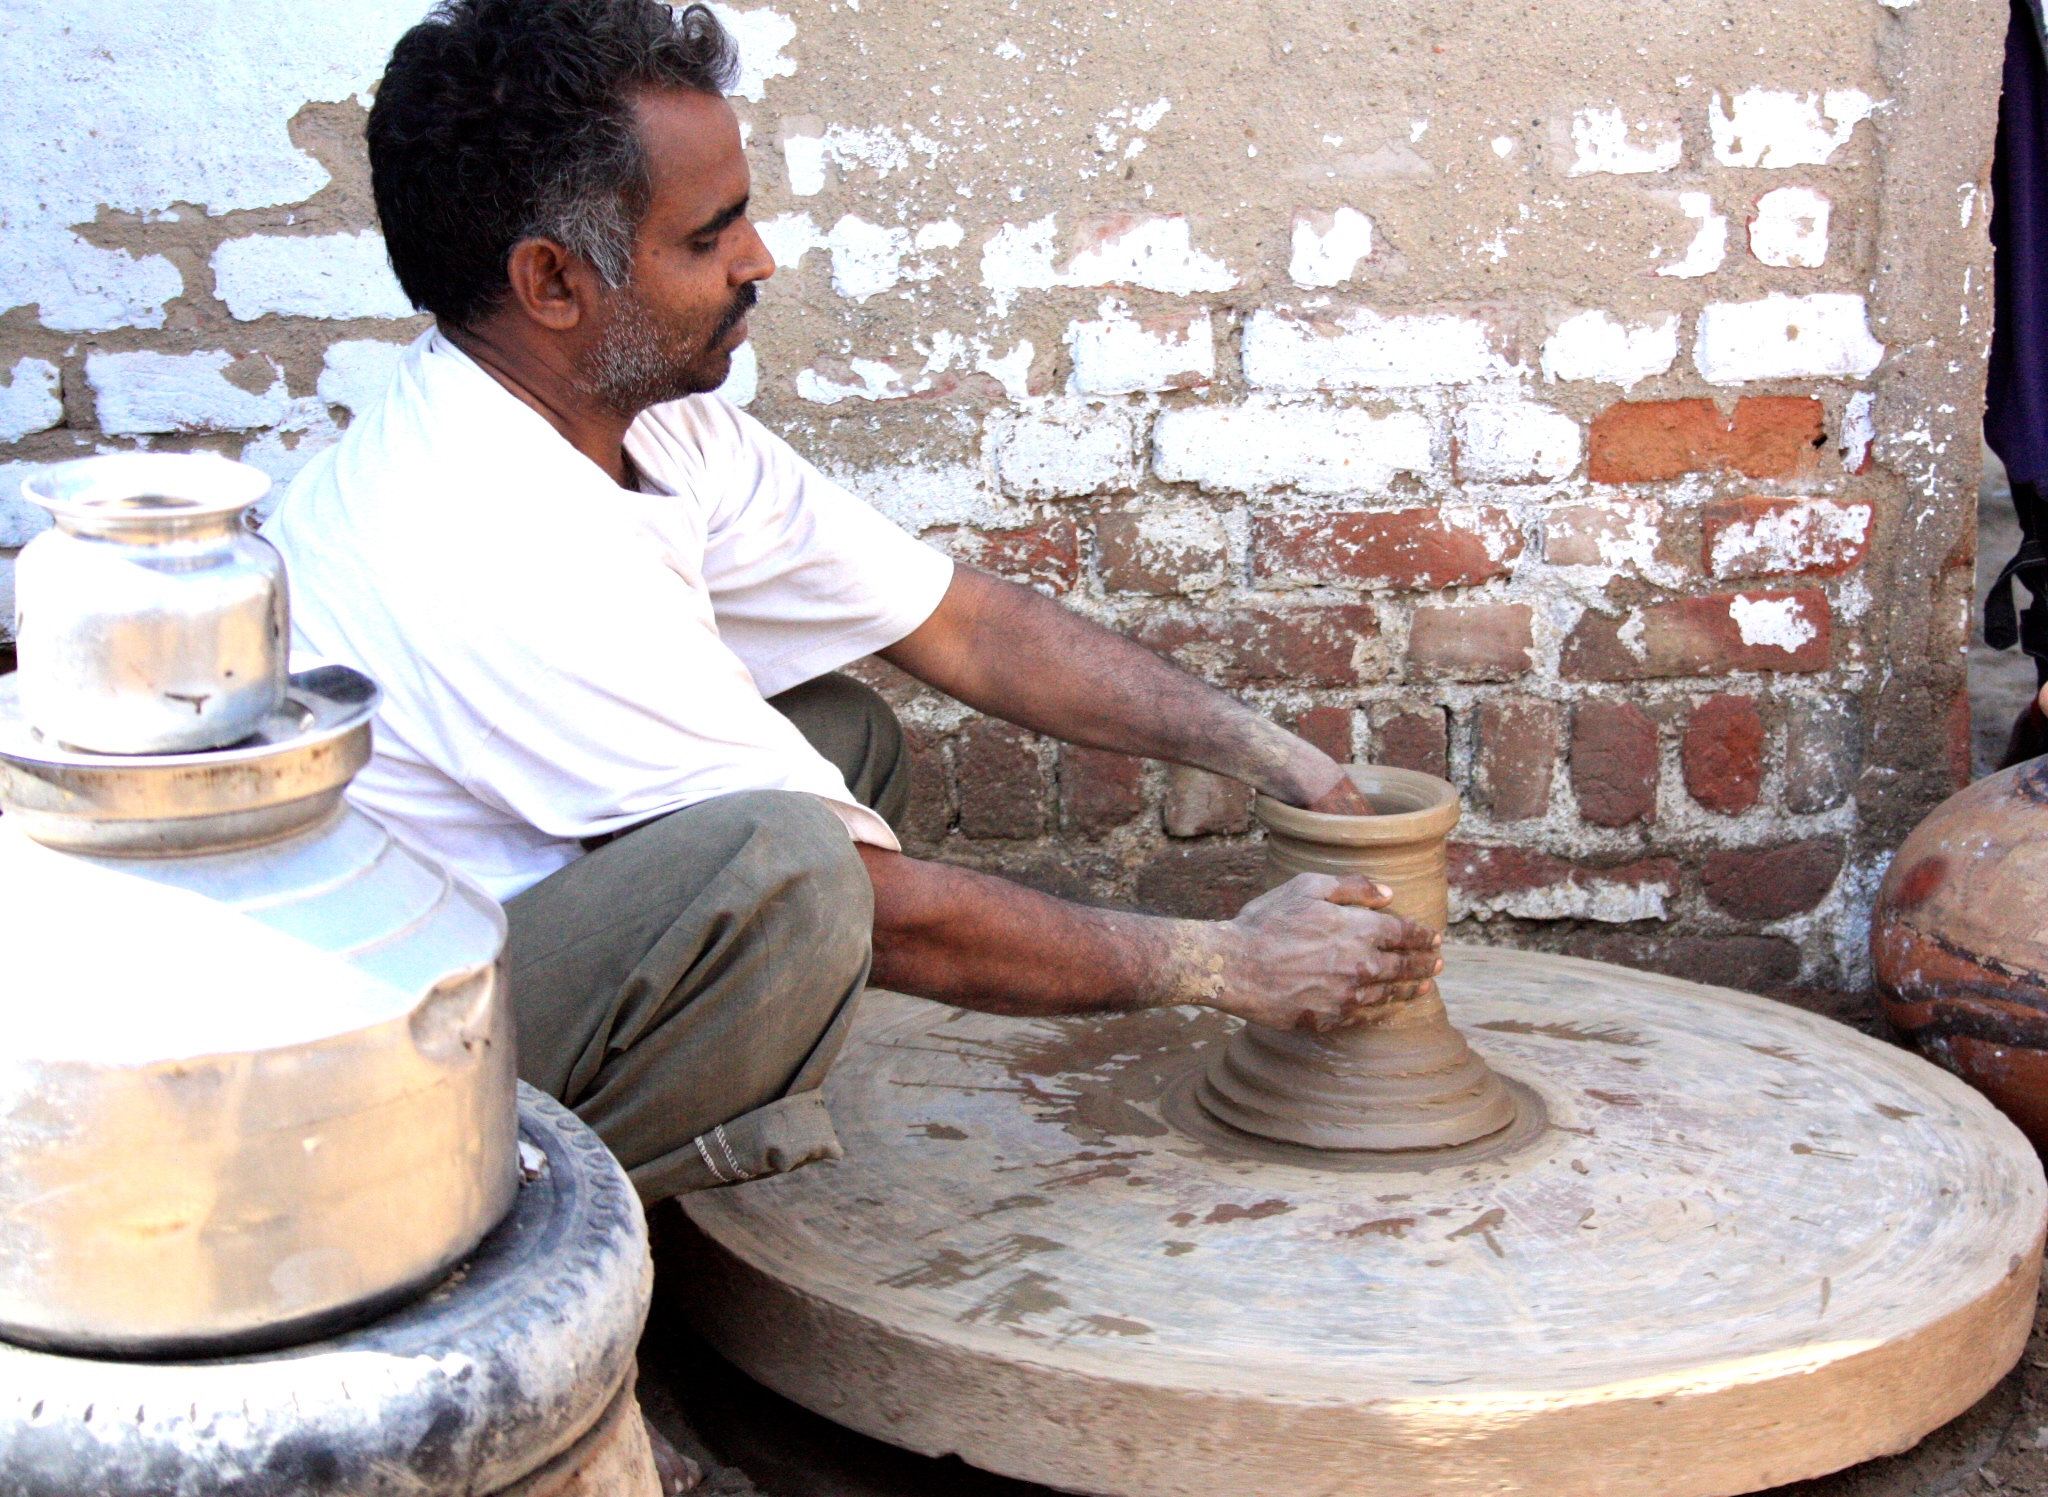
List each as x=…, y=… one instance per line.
x=1581, y=406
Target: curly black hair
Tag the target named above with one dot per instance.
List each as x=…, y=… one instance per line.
x=503, y=120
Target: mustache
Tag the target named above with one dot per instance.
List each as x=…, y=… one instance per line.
x=742, y=303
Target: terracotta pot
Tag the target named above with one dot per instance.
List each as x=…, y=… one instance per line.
x=1959, y=941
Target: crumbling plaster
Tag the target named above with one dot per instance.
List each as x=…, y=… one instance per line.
x=1104, y=297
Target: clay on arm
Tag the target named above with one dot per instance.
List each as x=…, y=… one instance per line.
x=1005, y=650
x=1312, y=954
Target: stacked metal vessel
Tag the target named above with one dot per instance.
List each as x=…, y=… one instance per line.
x=256, y=1075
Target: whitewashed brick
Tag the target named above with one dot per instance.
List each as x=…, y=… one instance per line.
x=1593, y=346
x=1774, y=128
x=1124, y=249
x=1126, y=355
x=1604, y=143
x=1612, y=535
x=333, y=276
x=357, y=372
x=1785, y=337
x=803, y=155
x=1361, y=349
x=1064, y=451
x=1790, y=228
x=1156, y=253
x=1315, y=450
x=1709, y=246
x=28, y=401
x=306, y=431
x=144, y=393
x=20, y=521
x=1785, y=536
x=1515, y=442
x=743, y=380
x=1327, y=247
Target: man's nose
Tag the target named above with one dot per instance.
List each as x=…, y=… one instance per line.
x=753, y=262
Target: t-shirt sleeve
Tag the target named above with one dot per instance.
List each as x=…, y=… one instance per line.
x=803, y=576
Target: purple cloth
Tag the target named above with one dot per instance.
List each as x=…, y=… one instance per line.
x=2016, y=395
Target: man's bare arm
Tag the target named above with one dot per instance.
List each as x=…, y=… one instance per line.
x=1005, y=650
x=1312, y=954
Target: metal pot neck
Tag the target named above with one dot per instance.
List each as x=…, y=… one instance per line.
x=287, y=775
x=145, y=497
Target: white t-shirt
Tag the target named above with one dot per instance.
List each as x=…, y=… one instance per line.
x=561, y=657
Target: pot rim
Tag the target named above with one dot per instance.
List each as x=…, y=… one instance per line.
x=145, y=490
x=1428, y=808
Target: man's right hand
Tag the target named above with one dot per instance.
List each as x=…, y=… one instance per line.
x=1318, y=951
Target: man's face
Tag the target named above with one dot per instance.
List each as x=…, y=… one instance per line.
x=671, y=330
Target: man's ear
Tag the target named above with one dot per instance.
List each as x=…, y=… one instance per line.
x=554, y=288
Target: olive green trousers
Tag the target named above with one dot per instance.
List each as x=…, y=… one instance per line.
x=685, y=986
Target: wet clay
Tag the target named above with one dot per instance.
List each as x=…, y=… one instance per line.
x=1403, y=1078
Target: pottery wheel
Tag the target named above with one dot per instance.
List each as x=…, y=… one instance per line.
x=1738, y=1245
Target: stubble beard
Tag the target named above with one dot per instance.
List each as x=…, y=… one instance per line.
x=642, y=360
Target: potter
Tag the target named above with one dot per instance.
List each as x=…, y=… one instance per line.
x=685, y=807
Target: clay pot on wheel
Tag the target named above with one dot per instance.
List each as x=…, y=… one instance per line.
x=1402, y=1077
x=1959, y=941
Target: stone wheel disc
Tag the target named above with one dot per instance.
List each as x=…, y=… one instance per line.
x=1746, y=1246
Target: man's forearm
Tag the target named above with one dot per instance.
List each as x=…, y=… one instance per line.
x=982, y=942
x=1007, y=651
x=1312, y=954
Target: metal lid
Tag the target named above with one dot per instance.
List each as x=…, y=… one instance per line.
x=287, y=774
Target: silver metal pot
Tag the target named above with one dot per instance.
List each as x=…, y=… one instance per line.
x=151, y=619
x=256, y=1069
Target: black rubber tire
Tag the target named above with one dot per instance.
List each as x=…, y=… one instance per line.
x=493, y=1373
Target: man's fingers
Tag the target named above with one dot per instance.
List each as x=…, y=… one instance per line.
x=1360, y=892
x=1409, y=935
x=1341, y=799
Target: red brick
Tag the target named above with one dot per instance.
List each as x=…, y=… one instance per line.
x=1757, y=537
x=1099, y=789
x=1723, y=754
x=1133, y=562
x=1483, y=642
x=929, y=815
x=1046, y=556
x=1701, y=637
x=1756, y=964
x=1518, y=743
x=1206, y=881
x=1614, y=763
x=1770, y=883
x=1407, y=549
x=1329, y=729
x=1420, y=741
x=1488, y=872
x=1002, y=789
x=1598, y=535
x=1529, y=884
x=1300, y=646
x=1201, y=804
x=1649, y=441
